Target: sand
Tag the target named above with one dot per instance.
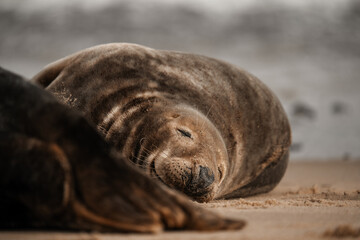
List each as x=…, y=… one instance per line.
x=315, y=200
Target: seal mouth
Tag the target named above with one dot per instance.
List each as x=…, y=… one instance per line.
x=201, y=185
x=187, y=175
x=154, y=173
x=198, y=185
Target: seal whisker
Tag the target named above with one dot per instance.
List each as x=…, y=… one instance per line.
x=140, y=166
x=164, y=155
x=208, y=112
x=148, y=151
x=147, y=155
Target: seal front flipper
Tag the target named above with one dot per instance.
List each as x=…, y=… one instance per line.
x=79, y=182
x=38, y=190
x=165, y=206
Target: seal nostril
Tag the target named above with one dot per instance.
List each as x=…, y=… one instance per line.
x=206, y=178
x=198, y=186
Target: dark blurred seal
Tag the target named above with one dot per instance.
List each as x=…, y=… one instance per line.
x=56, y=171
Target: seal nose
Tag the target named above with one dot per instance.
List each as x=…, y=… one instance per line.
x=206, y=178
x=199, y=183
x=195, y=181
x=199, y=187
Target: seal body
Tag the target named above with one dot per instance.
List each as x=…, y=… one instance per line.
x=197, y=124
x=57, y=171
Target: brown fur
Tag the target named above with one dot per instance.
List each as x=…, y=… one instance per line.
x=131, y=94
x=57, y=172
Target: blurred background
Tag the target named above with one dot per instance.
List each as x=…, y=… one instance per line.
x=306, y=51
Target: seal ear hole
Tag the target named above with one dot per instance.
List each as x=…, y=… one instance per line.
x=175, y=115
x=184, y=133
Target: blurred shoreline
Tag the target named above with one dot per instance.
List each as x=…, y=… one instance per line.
x=307, y=52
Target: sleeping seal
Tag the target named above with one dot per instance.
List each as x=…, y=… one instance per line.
x=56, y=171
x=197, y=124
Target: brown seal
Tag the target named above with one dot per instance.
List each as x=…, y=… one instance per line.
x=56, y=171
x=197, y=124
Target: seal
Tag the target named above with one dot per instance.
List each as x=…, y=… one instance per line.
x=57, y=171
x=199, y=125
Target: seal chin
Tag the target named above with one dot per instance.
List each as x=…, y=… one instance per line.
x=198, y=182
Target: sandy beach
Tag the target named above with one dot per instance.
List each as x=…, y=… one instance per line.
x=315, y=200
x=306, y=51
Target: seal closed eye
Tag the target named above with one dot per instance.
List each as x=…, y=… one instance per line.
x=184, y=133
x=241, y=130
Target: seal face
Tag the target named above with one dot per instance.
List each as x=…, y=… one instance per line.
x=56, y=171
x=197, y=124
x=181, y=152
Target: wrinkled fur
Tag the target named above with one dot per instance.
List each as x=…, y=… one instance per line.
x=248, y=116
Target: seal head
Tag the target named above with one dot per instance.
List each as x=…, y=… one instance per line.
x=184, y=150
